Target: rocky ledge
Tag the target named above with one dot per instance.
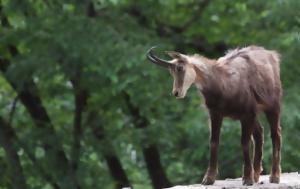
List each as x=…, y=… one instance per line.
x=287, y=181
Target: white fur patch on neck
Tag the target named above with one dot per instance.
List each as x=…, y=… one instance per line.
x=198, y=62
x=203, y=66
x=199, y=86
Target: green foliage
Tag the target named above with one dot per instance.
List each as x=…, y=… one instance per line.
x=58, y=41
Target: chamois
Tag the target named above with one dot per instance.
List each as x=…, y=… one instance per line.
x=239, y=85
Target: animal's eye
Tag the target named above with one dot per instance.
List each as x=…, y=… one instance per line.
x=179, y=68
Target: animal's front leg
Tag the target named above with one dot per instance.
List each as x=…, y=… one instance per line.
x=212, y=171
x=247, y=129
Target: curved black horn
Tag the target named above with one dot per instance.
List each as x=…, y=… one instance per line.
x=154, y=59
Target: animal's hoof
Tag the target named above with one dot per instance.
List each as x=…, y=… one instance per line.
x=208, y=181
x=274, y=179
x=257, y=174
x=256, y=177
x=248, y=182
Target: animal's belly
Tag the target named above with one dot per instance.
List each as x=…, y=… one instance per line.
x=234, y=106
x=260, y=107
x=231, y=110
x=237, y=111
x=234, y=115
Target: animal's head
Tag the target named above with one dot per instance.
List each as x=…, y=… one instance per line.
x=181, y=69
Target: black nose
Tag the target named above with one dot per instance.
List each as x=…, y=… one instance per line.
x=176, y=93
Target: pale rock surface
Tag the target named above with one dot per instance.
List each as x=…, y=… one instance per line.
x=287, y=181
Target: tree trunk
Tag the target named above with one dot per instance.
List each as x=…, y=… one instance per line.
x=7, y=141
x=114, y=164
x=116, y=171
x=151, y=154
x=155, y=168
x=80, y=97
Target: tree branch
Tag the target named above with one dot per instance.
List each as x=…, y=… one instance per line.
x=3, y=18
x=91, y=12
x=13, y=110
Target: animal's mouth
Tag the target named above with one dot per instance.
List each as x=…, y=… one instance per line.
x=180, y=96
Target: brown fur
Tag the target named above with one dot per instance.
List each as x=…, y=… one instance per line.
x=239, y=85
x=256, y=84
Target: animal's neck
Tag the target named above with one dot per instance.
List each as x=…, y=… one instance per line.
x=204, y=70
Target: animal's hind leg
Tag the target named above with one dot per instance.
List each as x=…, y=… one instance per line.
x=258, y=151
x=273, y=117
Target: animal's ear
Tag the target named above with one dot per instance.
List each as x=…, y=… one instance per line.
x=175, y=55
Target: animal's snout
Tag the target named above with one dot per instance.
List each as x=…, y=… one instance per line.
x=176, y=93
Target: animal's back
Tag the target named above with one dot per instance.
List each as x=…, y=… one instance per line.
x=251, y=74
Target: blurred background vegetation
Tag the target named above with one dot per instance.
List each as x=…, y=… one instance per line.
x=82, y=108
